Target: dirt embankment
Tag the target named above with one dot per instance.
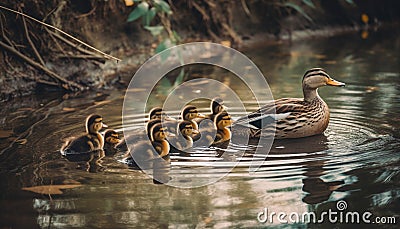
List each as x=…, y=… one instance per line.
x=36, y=58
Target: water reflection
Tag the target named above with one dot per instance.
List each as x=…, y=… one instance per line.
x=356, y=159
x=89, y=161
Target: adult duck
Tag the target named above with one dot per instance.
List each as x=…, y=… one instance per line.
x=293, y=117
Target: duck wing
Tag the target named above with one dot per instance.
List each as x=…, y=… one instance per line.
x=271, y=112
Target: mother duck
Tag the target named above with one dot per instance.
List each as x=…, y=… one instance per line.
x=294, y=117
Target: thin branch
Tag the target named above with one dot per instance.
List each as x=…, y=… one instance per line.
x=202, y=11
x=72, y=44
x=31, y=43
x=56, y=42
x=64, y=33
x=66, y=84
x=80, y=57
x=88, y=13
x=4, y=33
x=245, y=8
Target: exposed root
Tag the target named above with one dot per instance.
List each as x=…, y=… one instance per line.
x=217, y=17
x=66, y=84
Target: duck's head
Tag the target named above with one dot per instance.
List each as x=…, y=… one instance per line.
x=158, y=132
x=111, y=137
x=94, y=123
x=156, y=113
x=315, y=78
x=186, y=129
x=217, y=105
x=223, y=120
x=190, y=112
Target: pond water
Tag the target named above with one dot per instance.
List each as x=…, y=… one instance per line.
x=357, y=159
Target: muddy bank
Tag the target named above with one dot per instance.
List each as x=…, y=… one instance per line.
x=103, y=24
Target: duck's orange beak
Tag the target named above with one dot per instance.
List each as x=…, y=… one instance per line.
x=332, y=82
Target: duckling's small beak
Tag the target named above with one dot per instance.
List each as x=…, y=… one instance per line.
x=336, y=83
x=199, y=115
x=104, y=125
x=195, y=132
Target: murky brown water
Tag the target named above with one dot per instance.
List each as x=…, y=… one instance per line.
x=356, y=160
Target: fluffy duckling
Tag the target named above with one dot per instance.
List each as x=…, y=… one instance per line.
x=111, y=140
x=294, y=117
x=139, y=136
x=219, y=133
x=156, y=115
x=90, y=141
x=190, y=113
x=222, y=121
x=216, y=107
x=183, y=139
x=144, y=152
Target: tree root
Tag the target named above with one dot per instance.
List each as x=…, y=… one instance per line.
x=217, y=19
x=66, y=84
x=89, y=52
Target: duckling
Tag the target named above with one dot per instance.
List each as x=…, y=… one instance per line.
x=294, y=117
x=189, y=113
x=90, y=141
x=146, y=151
x=219, y=133
x=139, y=136
x=156, y=115
x=111, y=139
x=216, y=107
x=222, y=121
x=183, y=139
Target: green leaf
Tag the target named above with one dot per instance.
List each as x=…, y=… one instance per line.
x=164, y=45
x=179, y=79
x=149, y=16
x=161, y=47
x=298, y=9
x=139, y=11
x=155, y=30
x=309, y=3
x=164, y=83
x=163, y=6
x=176, y=36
